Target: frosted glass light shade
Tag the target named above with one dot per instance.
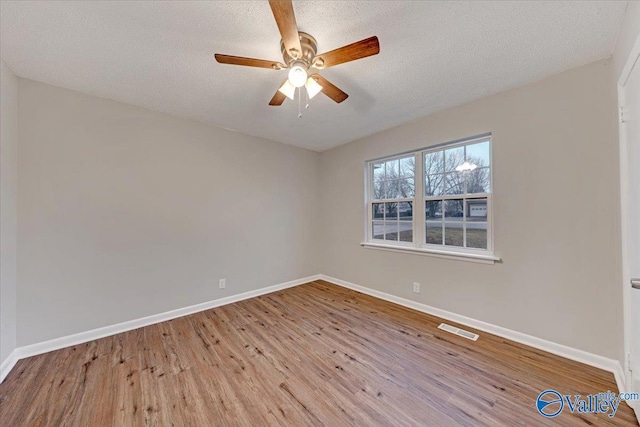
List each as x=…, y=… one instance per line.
x=297, y=76
x=313, y=88
x=288, y=89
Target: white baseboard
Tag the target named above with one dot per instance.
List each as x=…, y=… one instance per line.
x=582, y=356
x=591, y=359
x=94, y=334
x=620, y=377
x=621, y=380
x=8, y=364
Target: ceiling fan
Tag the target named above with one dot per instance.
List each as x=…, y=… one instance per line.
x=300, y=56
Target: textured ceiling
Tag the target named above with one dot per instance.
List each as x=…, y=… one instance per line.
x=433, y=55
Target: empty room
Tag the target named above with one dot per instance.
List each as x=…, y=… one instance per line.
x=319, y=213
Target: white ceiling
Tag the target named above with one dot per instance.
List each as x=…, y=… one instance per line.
x=433, y=55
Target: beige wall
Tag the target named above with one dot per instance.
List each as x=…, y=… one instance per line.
x=125, y=212
x=555, y=208
x=8, y=208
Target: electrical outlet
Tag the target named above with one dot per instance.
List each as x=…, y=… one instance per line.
x=416, y=287
x=222, y=284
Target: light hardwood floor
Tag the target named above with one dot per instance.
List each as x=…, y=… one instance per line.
x=316, y=354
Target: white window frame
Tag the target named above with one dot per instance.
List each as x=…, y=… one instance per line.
x=371, y=201
x=419, y=244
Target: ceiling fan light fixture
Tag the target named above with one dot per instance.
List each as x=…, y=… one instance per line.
x=287, y=89
x=301, y=59
x=313, y=88
x=298, y=74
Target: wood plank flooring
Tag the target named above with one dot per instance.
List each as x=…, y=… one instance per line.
x=316, y=354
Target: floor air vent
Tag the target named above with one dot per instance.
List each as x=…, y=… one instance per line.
x=461, y=332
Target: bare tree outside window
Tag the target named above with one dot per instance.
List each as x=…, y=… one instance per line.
x=394, y=180
x=449, y=222
x=454, y=184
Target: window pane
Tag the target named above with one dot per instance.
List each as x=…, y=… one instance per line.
x=391, y=169
x=477, y=235
x=454, y=183
x=391, y=189
x=377, y=211
x=433, y=210
x=434, y=233
x=433, y=185
x=476, y=210
x=405, y=214
x=408, y=167
x=391, y=211
x=478, y=180
x=453, y=225
x=405, y=211
x=378, y=181
x=391, y=230
x=378, y=190
x=391, y=221
x=433, y=214
x=378, y=171
x=453, y=210
x=478, y=154
x=406, y=235
x=401, y=188
x=406, y=188
x=378, y=227
x=453, y=158
x=434, y=163
x=453, y=233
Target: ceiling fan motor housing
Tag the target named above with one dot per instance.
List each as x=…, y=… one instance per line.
x=309, y=50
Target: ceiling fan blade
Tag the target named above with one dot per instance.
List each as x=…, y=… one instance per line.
x=350, y=52
x=286, y=20
x=329, y=89
x=277, y=99
x=249, y=62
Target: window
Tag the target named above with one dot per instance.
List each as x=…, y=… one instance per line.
x=436, y=199
x=394, y=195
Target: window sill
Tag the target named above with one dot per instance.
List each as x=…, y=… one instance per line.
x=478, y=258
